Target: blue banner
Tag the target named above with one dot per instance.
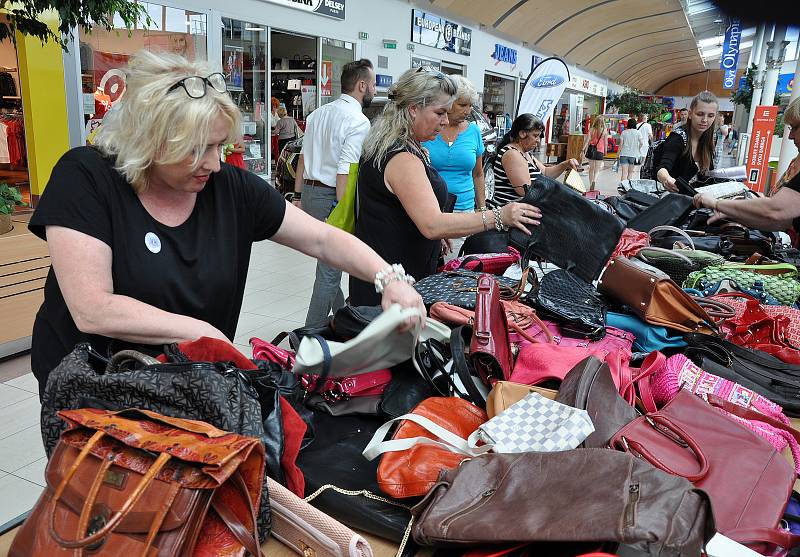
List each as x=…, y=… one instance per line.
x=729, y=61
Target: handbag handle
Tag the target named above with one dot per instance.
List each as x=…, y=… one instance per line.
x=662, y=250
x=672, y=229
x=117, y=517
x=248, y=538
x=774, y=536
x=661, y=423
x=714, y=308
x=127, y=355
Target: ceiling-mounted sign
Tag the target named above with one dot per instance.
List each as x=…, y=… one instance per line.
x=417, y=62
x=587, y=86
x=329, y=8
x=729, y=60
x=435, y=31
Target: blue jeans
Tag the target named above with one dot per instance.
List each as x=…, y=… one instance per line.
x=318, y=201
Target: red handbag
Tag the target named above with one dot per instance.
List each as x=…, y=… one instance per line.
x=757, y=329
x=490, y=348
x=738, y=301
x=520, y=319
x=748, y=481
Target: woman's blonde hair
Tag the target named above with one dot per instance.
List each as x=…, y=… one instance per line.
x=394, y=127
x=466, y=90
x=153, y=125
x=598, y=124
x=282, y=111
x=791, y=115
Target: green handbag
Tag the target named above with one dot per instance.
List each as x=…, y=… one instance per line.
x=344, y=214
x=784, y=287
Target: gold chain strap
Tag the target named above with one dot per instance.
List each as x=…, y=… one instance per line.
x=368, y=495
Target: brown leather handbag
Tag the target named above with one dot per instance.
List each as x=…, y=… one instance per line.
x=135, y=482
x=748, y=481
x=583, y=495
x=490, y=348
x=506, y=393
x=653, y=296
x=412, y=472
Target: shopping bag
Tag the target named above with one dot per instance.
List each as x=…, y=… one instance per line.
x=344, y=213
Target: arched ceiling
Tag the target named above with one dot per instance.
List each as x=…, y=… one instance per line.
x=639, y=43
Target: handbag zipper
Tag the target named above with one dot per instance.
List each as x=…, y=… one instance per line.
x=484, y=497
x=630, y=508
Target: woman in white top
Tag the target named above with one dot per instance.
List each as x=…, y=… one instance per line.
x=629, y=148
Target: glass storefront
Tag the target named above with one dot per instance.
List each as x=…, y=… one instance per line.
x=104, y=54
x=335, y=54
x=13, y=151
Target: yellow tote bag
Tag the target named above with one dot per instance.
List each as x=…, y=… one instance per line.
x=344, y=214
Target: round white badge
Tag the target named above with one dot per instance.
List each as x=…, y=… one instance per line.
x=152, y=242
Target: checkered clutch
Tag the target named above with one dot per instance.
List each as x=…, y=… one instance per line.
x=535, y=423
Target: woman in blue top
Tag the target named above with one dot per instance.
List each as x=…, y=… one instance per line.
x=457, y=155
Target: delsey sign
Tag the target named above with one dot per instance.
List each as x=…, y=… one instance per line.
x=330, y=8
x=730, y=53
x=432, y=30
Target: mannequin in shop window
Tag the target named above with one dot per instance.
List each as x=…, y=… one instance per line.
x=150, y=235
x=514, y=165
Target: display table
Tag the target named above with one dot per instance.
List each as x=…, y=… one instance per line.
x=272, y=547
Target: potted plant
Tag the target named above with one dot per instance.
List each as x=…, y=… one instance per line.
x=10, y=198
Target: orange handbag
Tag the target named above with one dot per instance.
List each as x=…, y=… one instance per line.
x=135, y=482
x=413, y=472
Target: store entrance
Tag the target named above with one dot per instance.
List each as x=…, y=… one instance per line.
x=13, y=155
x=499, y=94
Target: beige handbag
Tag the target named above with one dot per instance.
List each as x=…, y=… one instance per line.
x=309, y=531
x=506, y=393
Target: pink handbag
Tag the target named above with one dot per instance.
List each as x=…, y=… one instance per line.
x=614, y=338
x=492, y=263
x=263, y=350
x=660, y=383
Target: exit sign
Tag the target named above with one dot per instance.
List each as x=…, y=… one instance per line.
x=363, y=36
x=391, y=45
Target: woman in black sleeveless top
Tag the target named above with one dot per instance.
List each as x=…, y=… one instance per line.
x=401, y=196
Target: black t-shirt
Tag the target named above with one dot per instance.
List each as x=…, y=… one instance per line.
x=678, y=163
x=196, y=269
x=794, y=184
x=384, y=225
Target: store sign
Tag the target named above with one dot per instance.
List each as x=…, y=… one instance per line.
x=504, y=54
x=432, y=30
x=329, y=8
x=383, y=81
x=760, y=145
x=543, y=88
x=326, y=78
x=730, y=54
x=417, y=62
x=588, y=86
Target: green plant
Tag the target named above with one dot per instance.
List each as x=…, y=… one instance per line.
x=9, y=199
x=630, y=102
x=23, y=16
x=744, y=95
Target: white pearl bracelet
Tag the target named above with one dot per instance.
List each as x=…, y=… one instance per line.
x=392, y=273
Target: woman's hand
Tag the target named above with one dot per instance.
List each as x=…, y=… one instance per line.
x=671, y=184
x=571, y=164
x=520, y=214
x=402, y=293
x=702, y=200
x=447, y=246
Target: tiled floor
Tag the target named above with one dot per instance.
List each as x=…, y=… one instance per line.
x=276, y=299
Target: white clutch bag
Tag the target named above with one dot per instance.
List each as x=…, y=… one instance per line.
x=309, y=531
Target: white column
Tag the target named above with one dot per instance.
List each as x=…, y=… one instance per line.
x=758, y=78
x=788, y=149
x=775, y=57
x=755, y=51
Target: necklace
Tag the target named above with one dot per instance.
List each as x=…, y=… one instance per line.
x=448, y=138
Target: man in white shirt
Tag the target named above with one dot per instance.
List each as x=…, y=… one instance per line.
x=333, y=138
x=646, y=131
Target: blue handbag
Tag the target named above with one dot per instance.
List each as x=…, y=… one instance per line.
x=648, y=337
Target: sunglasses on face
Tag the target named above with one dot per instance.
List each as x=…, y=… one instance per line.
x=196, y=86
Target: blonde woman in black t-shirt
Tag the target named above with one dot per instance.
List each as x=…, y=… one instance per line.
x=150, y=235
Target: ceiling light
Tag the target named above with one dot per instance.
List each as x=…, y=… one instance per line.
x=254, y=29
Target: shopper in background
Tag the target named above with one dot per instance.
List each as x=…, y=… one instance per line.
x=287, y=129
x=720, y=134
x=630, y=148
x=334, y=136
x=514, y=166
x=400, y=194
x=683, y=117
x=457, y=155
x=273, y=122
x=733, y=134
x=690, y=148
x=597, y=138
x=646, y=132
x=234, y=154
x=150, y=235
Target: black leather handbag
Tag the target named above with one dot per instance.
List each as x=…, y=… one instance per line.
x=671, y=210
x=488, y=241
x=575, y=234
x=753, y=369
x=730, y=241
x=575, y=304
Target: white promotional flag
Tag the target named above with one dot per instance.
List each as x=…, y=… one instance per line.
x=543, y=88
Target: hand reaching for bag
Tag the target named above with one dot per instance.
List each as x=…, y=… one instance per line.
x=520, y=214
x=402, y=293
x=702, y=200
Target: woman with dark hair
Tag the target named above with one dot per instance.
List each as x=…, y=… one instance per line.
x=689, y=149
x=630, y=146
x=514, y=166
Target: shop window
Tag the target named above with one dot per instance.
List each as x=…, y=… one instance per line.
x=104, y=55
x=13, y=153
x=335, y=54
